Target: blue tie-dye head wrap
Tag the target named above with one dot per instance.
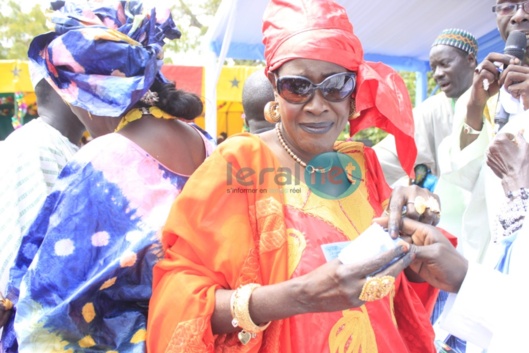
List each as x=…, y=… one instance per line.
x=103, y=57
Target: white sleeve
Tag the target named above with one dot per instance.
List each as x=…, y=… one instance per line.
x=462, y=166
x=386, y=152
x=489, y=311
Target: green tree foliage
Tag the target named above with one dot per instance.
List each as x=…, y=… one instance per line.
x=190, y=18
x=17, y=28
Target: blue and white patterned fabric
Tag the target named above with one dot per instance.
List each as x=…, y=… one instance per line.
x=74, y=56
x=83, y=274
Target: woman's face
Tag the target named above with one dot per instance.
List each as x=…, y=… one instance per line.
x=312, y=127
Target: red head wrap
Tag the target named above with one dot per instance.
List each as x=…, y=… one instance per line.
x=320, y=30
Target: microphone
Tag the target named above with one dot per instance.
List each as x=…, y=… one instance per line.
x=515, y=46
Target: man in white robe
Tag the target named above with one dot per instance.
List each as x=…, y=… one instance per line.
x=453, y=61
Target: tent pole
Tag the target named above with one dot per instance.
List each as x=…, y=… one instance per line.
x=213, y=70
x=421, y=86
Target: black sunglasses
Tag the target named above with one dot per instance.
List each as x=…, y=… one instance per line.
x=299, y=89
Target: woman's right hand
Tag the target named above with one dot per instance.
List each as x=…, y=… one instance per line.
x=335, y=286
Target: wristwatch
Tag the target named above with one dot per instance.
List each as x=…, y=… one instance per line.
x=469, y=130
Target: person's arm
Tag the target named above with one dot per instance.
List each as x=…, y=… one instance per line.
x=331, y=287
x=436, y=259
x=487, y=310
x=461, y=166
x=486, y=83
x=473, y=124
x=508, y=157
x=233, y=240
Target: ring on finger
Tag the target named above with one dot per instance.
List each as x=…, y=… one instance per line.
x=433, y=205
x=420, y=204
x=376, y=288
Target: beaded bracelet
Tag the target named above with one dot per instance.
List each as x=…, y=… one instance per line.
x=512, y=213
x=240, y=312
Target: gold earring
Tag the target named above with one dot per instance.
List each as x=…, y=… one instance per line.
x=271, y=112
x=353, y=114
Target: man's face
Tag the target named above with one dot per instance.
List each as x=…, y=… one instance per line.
x=518, y=21
x=452, y=69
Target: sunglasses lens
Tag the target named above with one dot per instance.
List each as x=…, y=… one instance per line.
x=295, y=89
x=335, y=88
x=299, y=90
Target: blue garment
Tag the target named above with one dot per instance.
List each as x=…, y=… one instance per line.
x=83, y=274
x=505, y=259
x=103, y=58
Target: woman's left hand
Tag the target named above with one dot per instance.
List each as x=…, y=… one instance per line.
x=414, y=202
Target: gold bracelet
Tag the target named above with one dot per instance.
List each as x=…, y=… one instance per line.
x=240, y=312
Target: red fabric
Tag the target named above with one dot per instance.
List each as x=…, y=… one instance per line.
x=236, y=238
x=427, y=294
x=187, y=78
x=383, y=101
x=309, y=29
x=449, y=236
x=321, y=30
x=411, y=321
x=374, y=172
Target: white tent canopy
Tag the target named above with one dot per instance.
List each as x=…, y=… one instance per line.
x=398, y=33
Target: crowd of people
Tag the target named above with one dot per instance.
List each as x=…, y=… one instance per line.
x=154, y=238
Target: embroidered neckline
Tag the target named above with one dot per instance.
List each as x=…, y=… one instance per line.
x=138, y=113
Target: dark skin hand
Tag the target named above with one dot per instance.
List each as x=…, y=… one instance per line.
x=331, y=287
x=488, y=71
x=4, y=314
x=508, y=157
x=515, y=79
x=405, y=196
x=436, y=260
